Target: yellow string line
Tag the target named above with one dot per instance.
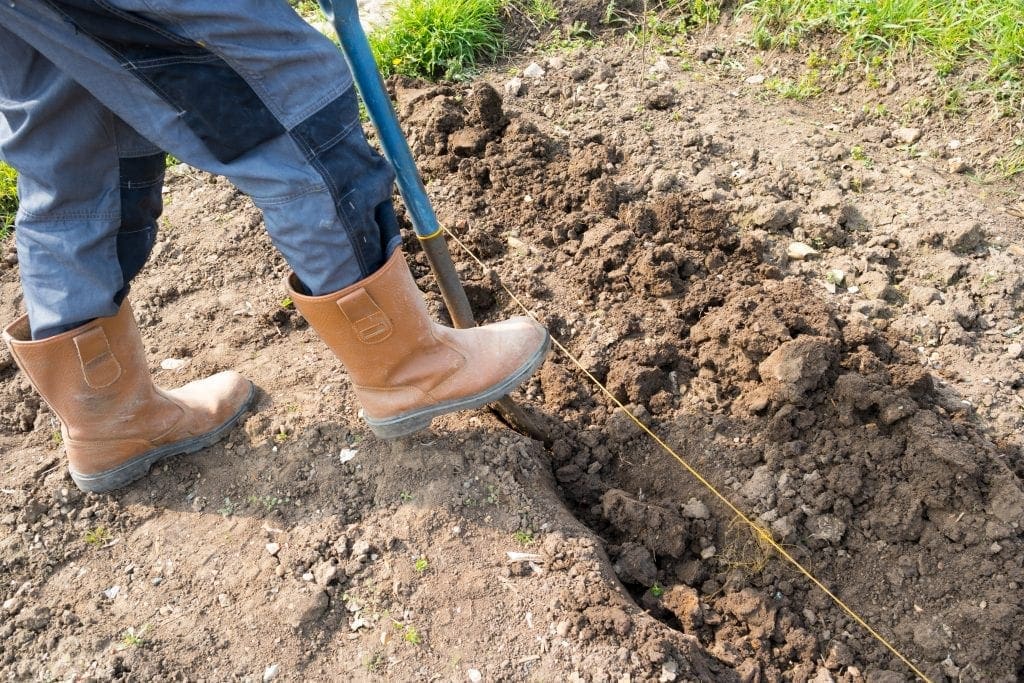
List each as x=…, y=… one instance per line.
x=759, y=530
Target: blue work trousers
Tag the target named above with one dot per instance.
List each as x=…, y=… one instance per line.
x=93, y=92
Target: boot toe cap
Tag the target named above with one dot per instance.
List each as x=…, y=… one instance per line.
x=219, y=396
x=521, y=337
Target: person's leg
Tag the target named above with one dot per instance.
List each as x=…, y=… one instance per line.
x=90, y=196
x=89, y=189
x=246, y=90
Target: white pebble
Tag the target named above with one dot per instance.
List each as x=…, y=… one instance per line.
x=173, y=363
x=514, y=86
x=798, y=251
x=535, y=70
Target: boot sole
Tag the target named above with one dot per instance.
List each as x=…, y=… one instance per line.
x=139, y=466
x=418, y=420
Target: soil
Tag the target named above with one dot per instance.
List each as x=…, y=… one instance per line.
x=863, y=402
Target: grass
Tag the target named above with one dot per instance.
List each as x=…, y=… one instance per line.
x=664, y=22
x=98, y=536
x=411, y=635
x=537, y=12
x=542, y=11
x=376, y=662
x=307, y=9
x=447, y=39
x=952, y=33
x=857, y=153
x=8, y=199
x=268, y=503
x=439, y=38
x=1012, y=163
x=523, y=537
x=803, y=88
x=569, y=40
x=133, y=638
x=421, y=565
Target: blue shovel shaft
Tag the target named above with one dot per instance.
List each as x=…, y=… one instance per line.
x=345, y=16
x=354, y=44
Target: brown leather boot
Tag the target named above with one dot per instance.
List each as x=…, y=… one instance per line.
x=407, y=369
x=115, y=422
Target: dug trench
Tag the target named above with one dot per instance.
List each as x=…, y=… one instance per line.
x=648, y=219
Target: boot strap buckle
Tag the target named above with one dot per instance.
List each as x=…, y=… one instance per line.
x=99, y=366
x=370, y=323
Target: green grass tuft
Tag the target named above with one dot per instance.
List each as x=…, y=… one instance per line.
x=8, y=199
x=98, y=536
x=542, y=11
x=537, y=12
x=951, y=32
x=805, y=87
x=307, y=9
x=1010, y=164
x=439, y=38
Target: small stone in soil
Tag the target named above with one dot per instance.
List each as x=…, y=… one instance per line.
x=695, y=509
x=636, y=565
x=957, y=165
x=798, y=251
x=663, y=180
x=173, y=363
x=922, y=296
x=325, y=572
x=838, y=655
x=535, y=70
x=775, y=216
x=964, y=237
x=514, y=86
x=907, y=136
x=660, y=100
x=875, y=285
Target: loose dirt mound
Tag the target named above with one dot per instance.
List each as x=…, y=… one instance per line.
x=814, y=410
x=861, y=403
